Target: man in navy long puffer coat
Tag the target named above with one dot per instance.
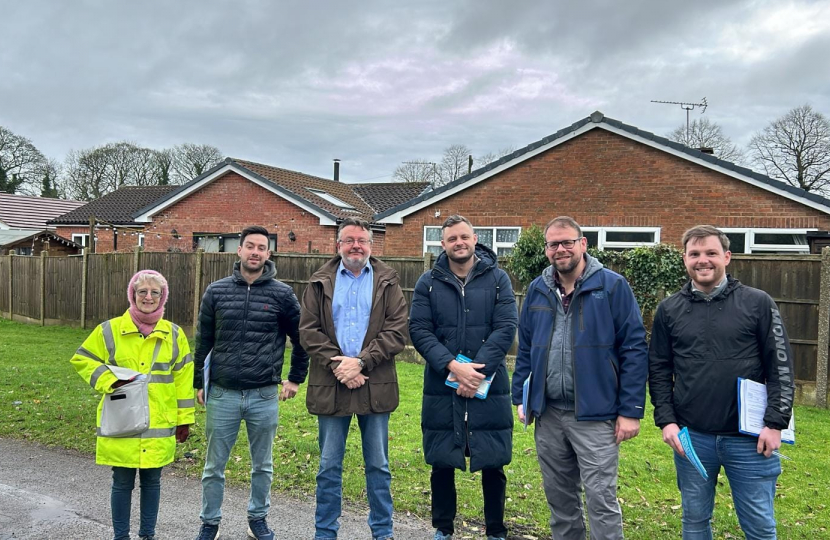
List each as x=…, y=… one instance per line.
x=465, y=305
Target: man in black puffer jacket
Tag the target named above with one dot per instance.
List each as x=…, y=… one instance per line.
x=243, y=322
x=465, y=305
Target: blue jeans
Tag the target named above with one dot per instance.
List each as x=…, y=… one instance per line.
x=123, y=482
x=751, y=476
x=226, y=409
x=374, y=434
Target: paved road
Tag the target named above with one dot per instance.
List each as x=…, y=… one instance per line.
x=48, y=493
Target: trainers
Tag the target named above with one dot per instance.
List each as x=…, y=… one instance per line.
x=208, y=532
x=258, y=529
x=441, y=536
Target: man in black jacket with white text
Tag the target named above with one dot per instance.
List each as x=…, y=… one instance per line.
x=706, y=336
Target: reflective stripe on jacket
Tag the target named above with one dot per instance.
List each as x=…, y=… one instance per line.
x=171, y=396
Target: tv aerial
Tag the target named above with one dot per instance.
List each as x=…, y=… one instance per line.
x=686, y=107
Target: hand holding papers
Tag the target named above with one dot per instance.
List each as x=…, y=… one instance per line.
x=752, y=404
x=483, y=388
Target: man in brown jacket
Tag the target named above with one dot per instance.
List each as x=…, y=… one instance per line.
x=353, y=323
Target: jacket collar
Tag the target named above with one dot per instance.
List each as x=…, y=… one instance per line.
x=269, y=272
x=163, y=329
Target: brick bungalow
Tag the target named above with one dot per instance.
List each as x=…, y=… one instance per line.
x=626, y=187
x=300, y=210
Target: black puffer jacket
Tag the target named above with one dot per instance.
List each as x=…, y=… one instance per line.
x=699, y=348
x=479, y=322
x=246, y=326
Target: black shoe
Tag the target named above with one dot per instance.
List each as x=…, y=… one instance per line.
x=258, y=530
x=208, y=532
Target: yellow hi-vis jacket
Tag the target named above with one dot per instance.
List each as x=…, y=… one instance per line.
x=171, y=395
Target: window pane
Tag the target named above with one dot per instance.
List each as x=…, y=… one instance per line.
x=502, y=252
x=782, y=239
x=592, y=237
x=208, y=243
x=433, y=234
x=435, y=250
x=737, y=242
x=231, y=243
x=625, y=236
x=485, y=236
x=507, y=235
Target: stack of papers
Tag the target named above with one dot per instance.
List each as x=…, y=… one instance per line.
x=752, y=404
x=483, y=388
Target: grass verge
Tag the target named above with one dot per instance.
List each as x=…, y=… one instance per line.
x=43, y=400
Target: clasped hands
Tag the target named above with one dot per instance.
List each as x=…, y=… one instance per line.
x=468, y=377
x=348, y=372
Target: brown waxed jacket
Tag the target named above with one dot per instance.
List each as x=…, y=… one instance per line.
x=385, y=337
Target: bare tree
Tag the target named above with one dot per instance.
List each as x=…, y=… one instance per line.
x=21, y=163
x=705, y=134
x=191, y=160
x=86, y=174
x=416, y=170
x=796, y=149
x=490, y=157
x=453, y=164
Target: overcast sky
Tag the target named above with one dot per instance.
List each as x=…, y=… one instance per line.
x=297, y=83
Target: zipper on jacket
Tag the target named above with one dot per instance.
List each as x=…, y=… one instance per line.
x=244, y=327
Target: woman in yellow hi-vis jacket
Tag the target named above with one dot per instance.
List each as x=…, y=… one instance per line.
x=140, y=340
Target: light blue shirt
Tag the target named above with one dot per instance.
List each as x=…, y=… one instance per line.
x=351, y=307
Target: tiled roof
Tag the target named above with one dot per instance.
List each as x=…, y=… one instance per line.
x=599, y=118
x=383, y=196
x=32, y=212
x=116, y=207
x=14, y=236
x=297, y=183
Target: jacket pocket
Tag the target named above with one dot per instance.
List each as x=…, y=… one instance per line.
x=321, y=399
x=383, y=397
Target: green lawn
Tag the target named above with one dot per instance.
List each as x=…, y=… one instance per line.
x=43, y=400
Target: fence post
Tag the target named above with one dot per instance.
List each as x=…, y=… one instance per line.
x=43, y=255
x=427, y=261
x=823, y=330
x=136, y=255
x=11, y=280
x=197, y=288
x=84, y=279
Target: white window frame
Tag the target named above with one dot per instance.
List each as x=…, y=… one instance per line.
x=603, y=244
x=141, y=240
x=81, y=239
x=751, y=247
x=496, y=244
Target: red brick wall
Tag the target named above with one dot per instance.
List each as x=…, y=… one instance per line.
x=603, y=179
x=127, y=239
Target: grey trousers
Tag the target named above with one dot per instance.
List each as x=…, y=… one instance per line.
x=575, y=455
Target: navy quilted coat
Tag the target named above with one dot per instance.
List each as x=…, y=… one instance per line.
x=479, y=321
x=246, y=326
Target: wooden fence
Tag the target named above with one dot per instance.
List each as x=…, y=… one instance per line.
x=84, y=291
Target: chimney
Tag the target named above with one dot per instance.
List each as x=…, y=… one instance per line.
x=707, y=150
x=336, y=170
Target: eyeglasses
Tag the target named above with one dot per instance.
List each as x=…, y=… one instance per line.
x=567, y=244
x=145, y=292
x=362, y=242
